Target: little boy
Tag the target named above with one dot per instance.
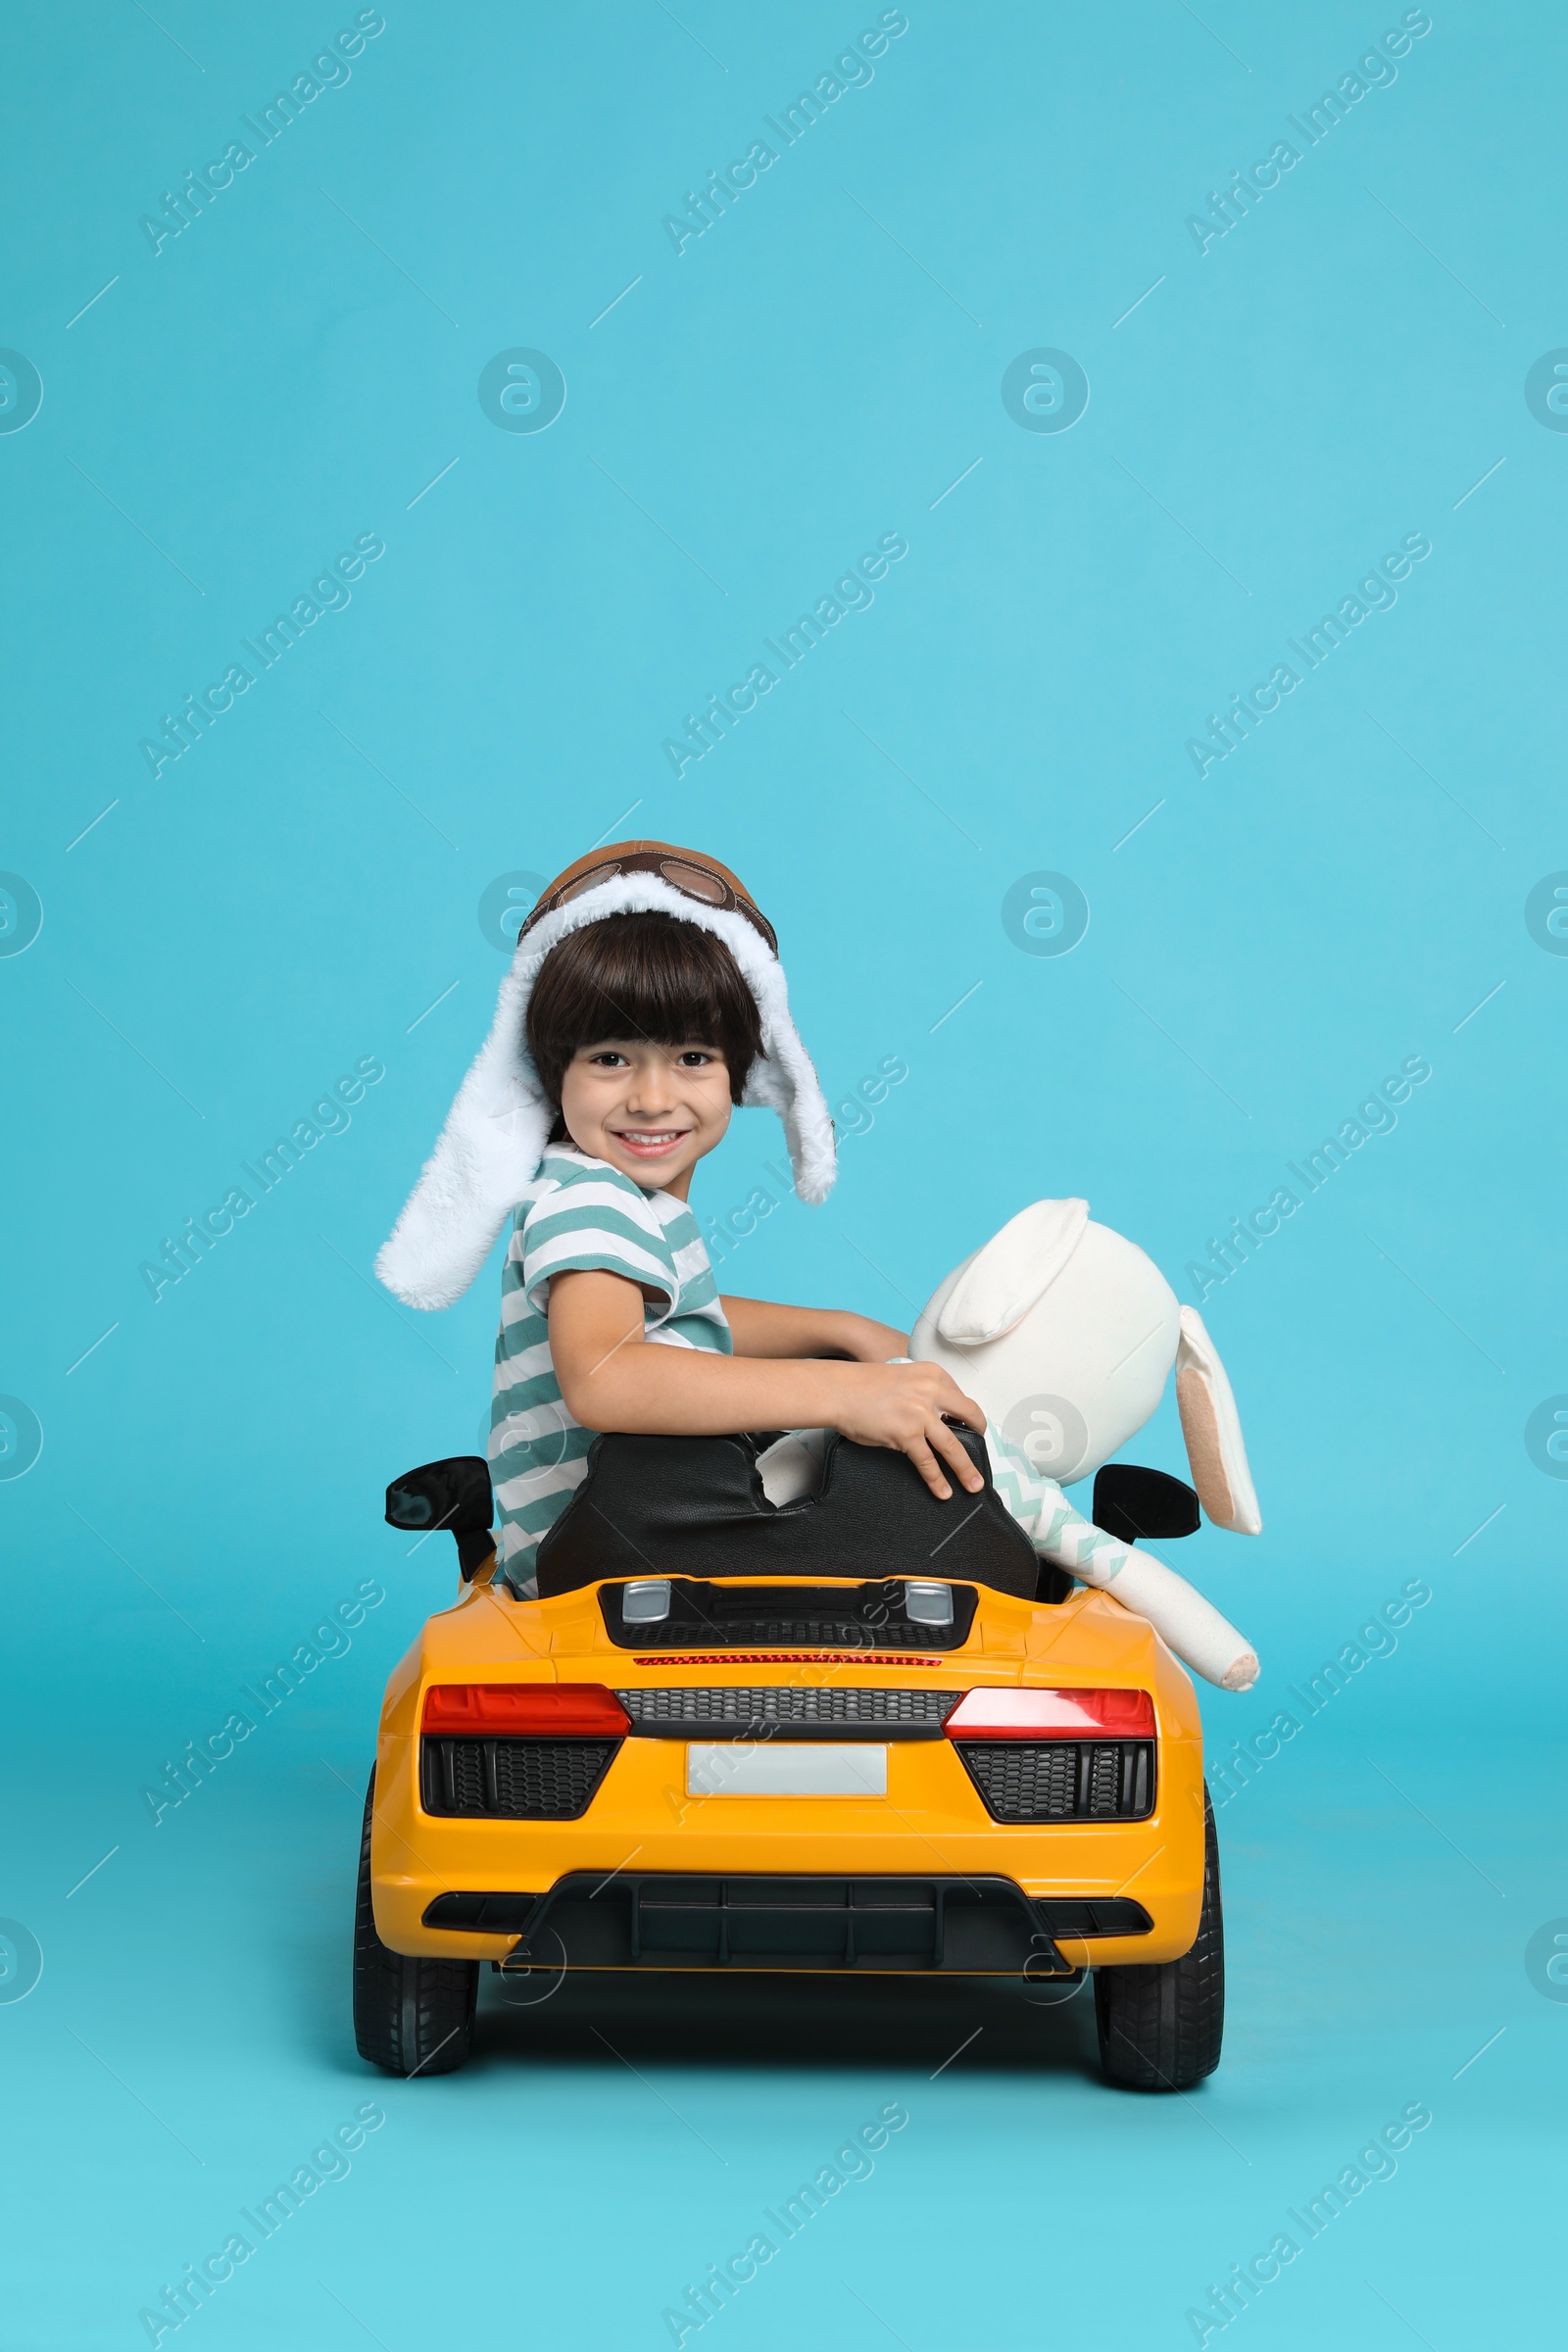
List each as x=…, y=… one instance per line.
x=643, y=1030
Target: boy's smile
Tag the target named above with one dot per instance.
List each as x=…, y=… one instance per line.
x=650, y=1110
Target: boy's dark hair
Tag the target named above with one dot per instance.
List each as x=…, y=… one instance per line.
x=648, y=976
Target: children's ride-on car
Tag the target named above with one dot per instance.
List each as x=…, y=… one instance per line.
x=864, y=1731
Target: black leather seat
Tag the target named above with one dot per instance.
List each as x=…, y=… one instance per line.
x=695, y=1507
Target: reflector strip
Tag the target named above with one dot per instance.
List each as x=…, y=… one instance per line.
x=788, y=1657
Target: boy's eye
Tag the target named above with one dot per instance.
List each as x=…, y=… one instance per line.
x=695, y=1058
x=610, y=1060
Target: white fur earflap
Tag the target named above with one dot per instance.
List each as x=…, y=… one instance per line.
x=497, y=1129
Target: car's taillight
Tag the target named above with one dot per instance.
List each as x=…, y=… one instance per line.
x=549, y=1710
x=1052, y=1715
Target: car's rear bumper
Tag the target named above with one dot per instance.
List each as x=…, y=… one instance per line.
x=877, y=1925
x=930, y=1831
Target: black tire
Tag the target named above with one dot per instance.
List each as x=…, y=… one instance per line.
x=410, y=2017
x=1160, y=2027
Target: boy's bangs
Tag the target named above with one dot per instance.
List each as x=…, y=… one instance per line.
x=647, y=977
x=656, y=989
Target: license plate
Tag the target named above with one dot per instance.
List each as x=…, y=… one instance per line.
x=786, y=1768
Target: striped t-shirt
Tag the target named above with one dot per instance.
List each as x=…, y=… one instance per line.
x=580, y=1212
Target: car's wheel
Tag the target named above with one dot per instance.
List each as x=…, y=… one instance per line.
x=1160, y=2027
x=412, y=2017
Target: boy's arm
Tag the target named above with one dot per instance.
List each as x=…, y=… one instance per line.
x=611, y=1377
x=760, y=1328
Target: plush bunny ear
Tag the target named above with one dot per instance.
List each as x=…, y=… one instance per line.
x=1002, y=1281
x=1212, y=1428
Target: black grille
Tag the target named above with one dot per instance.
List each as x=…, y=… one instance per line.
x=790, y=1713
x=512, y=1779
x=1062, y=1780
x=713, y=1616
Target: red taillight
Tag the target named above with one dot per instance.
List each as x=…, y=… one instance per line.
x=549, y=1710
x=1052, y=1715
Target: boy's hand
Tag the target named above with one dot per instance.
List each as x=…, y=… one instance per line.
x=902, y=1405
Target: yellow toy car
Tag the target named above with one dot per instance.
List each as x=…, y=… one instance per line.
x=864, y=1732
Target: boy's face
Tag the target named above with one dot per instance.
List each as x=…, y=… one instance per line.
x=651, y=1111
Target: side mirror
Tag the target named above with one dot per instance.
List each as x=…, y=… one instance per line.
x=454, y=1494
x=1133, y=1505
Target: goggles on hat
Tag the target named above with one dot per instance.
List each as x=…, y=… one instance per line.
x=689, y=871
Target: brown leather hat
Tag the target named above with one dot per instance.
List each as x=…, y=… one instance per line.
x=691, y=871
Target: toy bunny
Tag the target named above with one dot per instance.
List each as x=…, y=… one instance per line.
x=1066, y=1332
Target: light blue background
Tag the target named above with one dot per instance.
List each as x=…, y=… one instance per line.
x=1275, y=939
